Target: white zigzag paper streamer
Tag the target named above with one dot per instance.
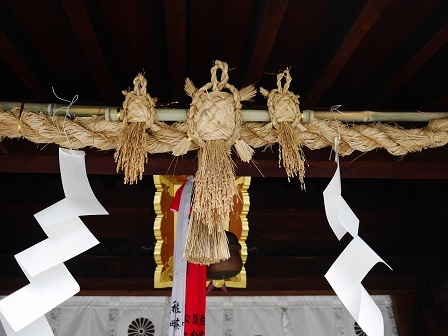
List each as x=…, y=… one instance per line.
x=347, y=272
x=22, y=313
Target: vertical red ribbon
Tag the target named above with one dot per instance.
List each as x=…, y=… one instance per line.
x=195, y=300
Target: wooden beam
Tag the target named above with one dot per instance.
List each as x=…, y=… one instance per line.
x=409, y=317
x=20, y=68
x=176, y=35
x=266, y=34
x=437, y=42
x=3, y=149
x=436, y=318
x=356, y=35
x=82, y=27
x=165, y=164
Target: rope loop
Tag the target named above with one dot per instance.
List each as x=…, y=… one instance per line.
x=288, y=79
x=140, y=85
x=219, y=84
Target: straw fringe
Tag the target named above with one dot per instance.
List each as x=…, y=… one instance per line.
x=190, y=89
x=244, y=151
x=292, y=153
x=131, y=154
x=213, y=201
x=205, y=246
x=247, y=93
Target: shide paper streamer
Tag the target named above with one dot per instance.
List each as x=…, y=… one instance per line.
x=22, y=313
x=347, y=272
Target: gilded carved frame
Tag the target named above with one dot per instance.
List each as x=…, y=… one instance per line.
x=164, y=227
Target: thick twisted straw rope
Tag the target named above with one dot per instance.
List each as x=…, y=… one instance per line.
x=364, y=138
x=98, y=133
x=42, y=129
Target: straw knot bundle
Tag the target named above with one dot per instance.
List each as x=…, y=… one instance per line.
x=139, y=115
x=214, y=124
x=284, y=112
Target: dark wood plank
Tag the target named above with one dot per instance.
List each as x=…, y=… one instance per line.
x=18, y=65
x=3, y=149
x=436, y=318
x=266, y=34
x=408, y=315
x=436, y=43
x=282, y=268
x=358, y=32
x=269, y=168
x=176, y=36
x=266, y=275
x=79, y=19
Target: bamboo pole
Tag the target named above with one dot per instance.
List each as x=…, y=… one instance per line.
x=114, y=113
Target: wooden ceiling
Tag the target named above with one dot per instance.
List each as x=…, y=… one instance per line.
x=364, y=55
x=376, y=55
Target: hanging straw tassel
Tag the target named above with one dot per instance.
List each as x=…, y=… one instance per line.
x=214, y=124
x=208, y=248
x=139, y=115
x=292, y=154
x=285, y=116
x=213, y=202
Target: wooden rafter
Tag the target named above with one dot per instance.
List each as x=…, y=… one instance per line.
x=176, y=21
x=356, y=35
x=439, y=103
x=390, y=45
x=82, y=27
x=272, y=18
x=437, y=42
x=18, y=66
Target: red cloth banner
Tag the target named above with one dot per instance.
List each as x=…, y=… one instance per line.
x=195, y=300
